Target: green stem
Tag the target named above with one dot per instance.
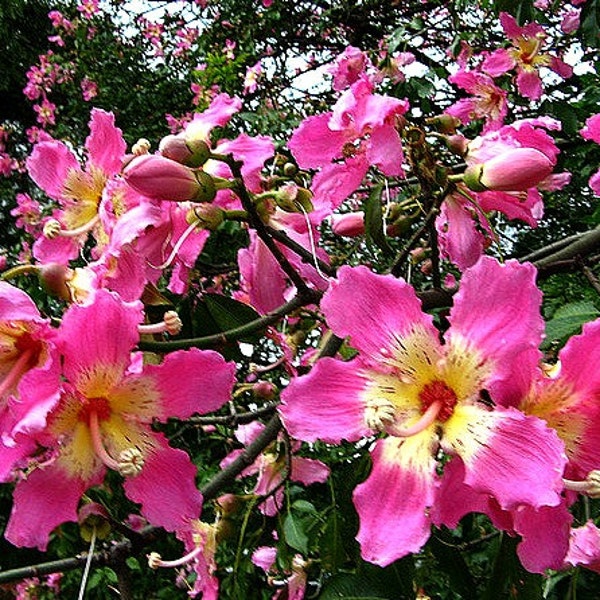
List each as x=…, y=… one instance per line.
x=19, y=270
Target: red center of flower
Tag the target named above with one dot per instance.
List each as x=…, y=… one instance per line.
x=100, y=406
x=438, y=391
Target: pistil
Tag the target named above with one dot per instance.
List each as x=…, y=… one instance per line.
x=53, y=228
x=130, y=461
x=18, y=369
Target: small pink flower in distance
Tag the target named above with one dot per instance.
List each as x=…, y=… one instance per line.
x=271, y=465
x=251, y=78
x=487, y=100
x=88, y=8
x=46, y=113
x=525, y=56
x=427, y=398
x=348, y=67
x=358, y=133
x=104, y=417
x=89, y=89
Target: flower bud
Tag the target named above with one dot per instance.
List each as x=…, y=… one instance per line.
x=209, y=215
x=512, y=171
x=54, y=278
x=161, y=178
x=190, y=152
x=349, y=224
x=263, y=389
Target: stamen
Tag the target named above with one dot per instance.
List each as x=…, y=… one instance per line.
x=428, y=417
x=171, y=324
x=130, y=461
x=16, y=372
x=155, y=561
x=379, y=413
x=53, y=228
x=176, y=248
x=589, y=487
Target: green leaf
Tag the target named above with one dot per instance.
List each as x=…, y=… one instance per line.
x=355, y=587
x=568, y=320
x=294, y=533
x=229, y=314
x=374, y=220
x=451, y=561
x=304, y=506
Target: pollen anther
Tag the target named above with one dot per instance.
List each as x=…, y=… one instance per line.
x=379, y=413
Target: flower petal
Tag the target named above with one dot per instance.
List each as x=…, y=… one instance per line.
x=166, y=487
x=392, y=503
x=326, y=404
x=507, y=454
x=374, y=310
x=46, y=499
x=105, y=144
x=497, y=312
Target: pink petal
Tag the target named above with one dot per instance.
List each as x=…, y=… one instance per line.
x=166, y=487
x=326, y=404
x=314, y=144
x=107, y=329
x=545, y=534
x=591, y=131
x=515, y=206
x=16, y=305
x=374, y=310
x=508, y=332
x=529, y=84
x=335, y=182
x=308, y=470
x=392, y=503
x=513, y=457
x=385, y=151
x=42, y=502
x=191, y=381
x=584, y=547
x=49, y=164
x=498, y=63
x=105, y=144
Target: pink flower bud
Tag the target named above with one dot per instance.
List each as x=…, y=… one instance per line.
x=161, y=178
x=187, y=151
x=348, y=224
x=515, y=170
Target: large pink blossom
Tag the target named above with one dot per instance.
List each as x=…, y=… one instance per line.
x=358, y=133
x=103, y=419
x=428, y=397
x=591, y=131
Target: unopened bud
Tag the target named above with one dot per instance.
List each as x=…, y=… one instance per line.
x=349, y=224
x=399, y=227
x=263, y=389
x=93, y=518
x=515, y=170
x=209, y=216
x=457, y=143
x=161, y=178
x=444, y=123
x=54, y=278
x=190, y=152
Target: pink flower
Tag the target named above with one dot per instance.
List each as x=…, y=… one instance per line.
x=46, y=113
x=89, y=89
x=28, y=358
x=103, y=419
x=487, y=100
x=348, y=67
x=525, y=56
x=591, y=131
x=344, y=143
x=54, y=167
x=251, y=78
x=270, y=467
x=427, y=398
